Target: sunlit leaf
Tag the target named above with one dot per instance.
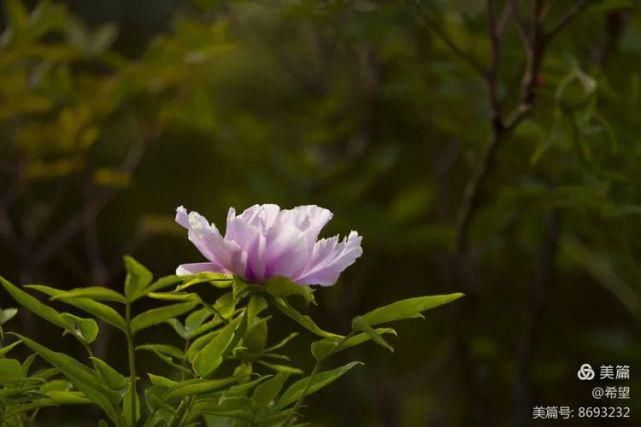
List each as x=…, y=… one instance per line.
x=138, y=277
x=303, y=320
x=407, y=309
x=156, y=316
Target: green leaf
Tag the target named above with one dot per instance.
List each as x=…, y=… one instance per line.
x=282, y=287
x=162, y=283
x=265, y=394
x=218, y=280
x=157, y=380
x=169, y=350
x=212, y=355
x=406, y=309
x=156, y=316
x=110, y=377
x=361, y=324
x=174, y=296
x=323, y=348
x=167, y=355
x=234, y=408
x=60, y=397
x=126, y=406
x=179, y=328
x=7, y=314
x=83, y=378
x=255, y=338
x=32, y=304
x=282, y=343
x=56, y=385
x=257, y=304
x=244, y=388
x=7, y=349
x=96, y=293
x=318, y=381
x=225, y=305
x=85, y=329
x=95, y=308
x=280, y=368
x=138, y=277
x=10, y=371
x=303, y=320
x=197, y=386
x=196, y=319
x=199, y=343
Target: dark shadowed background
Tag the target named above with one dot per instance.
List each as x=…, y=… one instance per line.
x=492, y=148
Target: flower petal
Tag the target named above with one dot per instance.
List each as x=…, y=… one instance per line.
x=207, y=238
x=329, y=259
x=287, y=251
x=309, y=217
x=199, y=267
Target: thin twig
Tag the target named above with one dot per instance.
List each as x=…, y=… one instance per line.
x=576, y=8
x=501, y=128
x=520, y=25
x=441, y=35
x=91, y=209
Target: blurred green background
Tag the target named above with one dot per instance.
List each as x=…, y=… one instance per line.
x=490, y=148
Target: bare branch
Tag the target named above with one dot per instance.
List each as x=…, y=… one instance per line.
x=441, y=35
x=492, y=72
x=519, y=23
x=92, y=208
x=499, y=128
x=577, y=7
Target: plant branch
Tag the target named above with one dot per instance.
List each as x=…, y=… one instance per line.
x=91, y=209
x=132, y=363
x=442, y=35
x=535, y=44
x=576, y=8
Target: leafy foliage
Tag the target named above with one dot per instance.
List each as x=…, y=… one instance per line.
x=225, y=368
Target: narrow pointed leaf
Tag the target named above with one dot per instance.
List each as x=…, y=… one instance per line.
x=111, y=378
x=303, y=320
x=361, y=324
x=282, y=287
x=36, y=307
x=212, y=355
x=195, y=387
x=96, y=293
x=265, y=394
x=7, y=349
x=323, y=348
x=83, y=378
x=156, y=316
x=138, y=277
x=318, y=381
x=7, y=314
x=95, y=308
x=407, y=309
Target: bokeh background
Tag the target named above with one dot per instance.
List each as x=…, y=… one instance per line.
x=492, y=148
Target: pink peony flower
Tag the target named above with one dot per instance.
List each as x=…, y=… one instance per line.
x=265, y=241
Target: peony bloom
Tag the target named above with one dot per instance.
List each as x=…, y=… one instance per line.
x=265, y=241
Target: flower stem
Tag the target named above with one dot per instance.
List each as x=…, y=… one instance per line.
x=299, y=402
x=132, y=365
x=302, y=396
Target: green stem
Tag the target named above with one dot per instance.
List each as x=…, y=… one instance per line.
x=183, y=376
x=299, y=402
x=132, y=364
x=302, y=396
